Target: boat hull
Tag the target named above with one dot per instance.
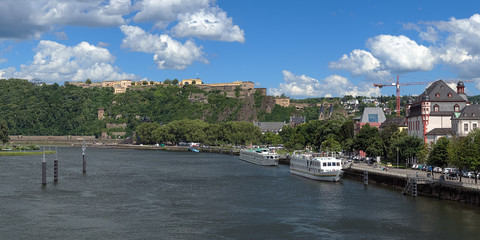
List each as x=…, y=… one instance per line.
x=333, y=176
x=258, y=159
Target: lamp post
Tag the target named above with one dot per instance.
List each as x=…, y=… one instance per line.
x=397, y=157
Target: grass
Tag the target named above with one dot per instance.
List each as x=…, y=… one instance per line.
x=14, y=153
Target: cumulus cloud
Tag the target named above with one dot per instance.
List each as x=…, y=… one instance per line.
x=211, y=23
x=401, y=54
x=167, y=10
x=334, y=85
x=361, y=62
x=24, y=19
x=461, y=48
x=55, y=62
x=168, y=53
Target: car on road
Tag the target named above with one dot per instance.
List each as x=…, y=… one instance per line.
x=471, y=174
x=437, y=169
x=452, y=176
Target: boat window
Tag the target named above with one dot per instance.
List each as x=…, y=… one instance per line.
x=324, y=164
x=338, y=164
x=329, y=164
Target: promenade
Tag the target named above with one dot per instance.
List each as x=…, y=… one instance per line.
x=403, y=173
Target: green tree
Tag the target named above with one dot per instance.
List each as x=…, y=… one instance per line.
x=366, y=137
x=331, y=145
x=88, y=81
x=175, y=81
x=439, y=154
x=271, y=138
x=4, y=132
x=167, y=82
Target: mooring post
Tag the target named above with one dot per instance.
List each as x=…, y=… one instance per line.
x=44, y=169
x=55, y=167
x=365, y=177
x=84, y=147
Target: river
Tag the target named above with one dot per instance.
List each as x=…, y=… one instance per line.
x=148, y=194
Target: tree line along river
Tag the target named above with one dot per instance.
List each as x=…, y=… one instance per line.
x=147, y=194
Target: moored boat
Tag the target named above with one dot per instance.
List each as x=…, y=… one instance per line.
x=260, y=156
x=317, y=166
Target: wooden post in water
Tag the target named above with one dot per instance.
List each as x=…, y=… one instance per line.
x=365, y=177
x=55, y=167
x=84, y=147
x=44, y=169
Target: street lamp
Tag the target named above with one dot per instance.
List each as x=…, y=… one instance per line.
x=397, y=157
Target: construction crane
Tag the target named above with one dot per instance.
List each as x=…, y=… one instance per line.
x=398, y=84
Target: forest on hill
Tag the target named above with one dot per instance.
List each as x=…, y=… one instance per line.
x=31, y=109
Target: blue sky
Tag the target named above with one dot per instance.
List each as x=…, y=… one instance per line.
x=303, y=48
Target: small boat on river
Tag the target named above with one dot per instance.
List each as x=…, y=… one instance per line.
x=260, y=156
x=317, y=166
x=193, y=149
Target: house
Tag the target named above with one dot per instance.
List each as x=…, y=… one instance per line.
x=466, y=121
x=297, y=120
x=433, y=109
x=284, y=102
x=374, y=116
x=274, y=127
x=401, y=123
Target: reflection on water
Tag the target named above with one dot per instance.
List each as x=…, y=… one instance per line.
x=141, y=194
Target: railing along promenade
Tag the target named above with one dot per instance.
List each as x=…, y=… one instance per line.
x=422, y=176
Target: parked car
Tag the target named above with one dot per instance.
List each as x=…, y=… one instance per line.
x=437, y=169
x=446, y=170
x=414, y=166
x=471, y=174
x=452, y=176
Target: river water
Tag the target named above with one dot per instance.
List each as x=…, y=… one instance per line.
x=148, y=194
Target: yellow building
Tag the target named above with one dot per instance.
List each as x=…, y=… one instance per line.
x=284, y=102
x=191, y=81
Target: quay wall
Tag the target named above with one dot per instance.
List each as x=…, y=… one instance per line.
x=437, y=189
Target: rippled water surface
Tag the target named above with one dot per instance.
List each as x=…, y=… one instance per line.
x=146, y=194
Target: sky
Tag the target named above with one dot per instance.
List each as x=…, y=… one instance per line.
x=302, y=49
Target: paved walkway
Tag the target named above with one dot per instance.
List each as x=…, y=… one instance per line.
x=466, y=182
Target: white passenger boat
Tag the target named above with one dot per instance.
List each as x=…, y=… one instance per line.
x=260, y=156
x=318, y=166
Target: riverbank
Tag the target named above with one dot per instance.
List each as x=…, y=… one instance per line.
x=430, y=186
x=24, y=153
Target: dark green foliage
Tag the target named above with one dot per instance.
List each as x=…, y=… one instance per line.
x=439, y=154
x=278, y=114
x=4, y=132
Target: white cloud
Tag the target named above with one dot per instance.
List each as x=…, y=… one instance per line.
x=168, y=53
x=361, y=62
x=211, y=23
x=461, y=48
x=24, y=19
x=54, y=62
x=334, y=85
x=401, y=54
x=166, y=11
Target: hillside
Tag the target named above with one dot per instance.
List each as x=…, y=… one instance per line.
x=32, y=109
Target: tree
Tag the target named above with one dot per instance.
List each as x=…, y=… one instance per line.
x=271, y=138
x=331, y=145
x=88, y=81
x=167, y=82
x=408, y=147
x=366, y=137
x=4, y=132
x=439, y=154
x=175, y=81
x=458, y=153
